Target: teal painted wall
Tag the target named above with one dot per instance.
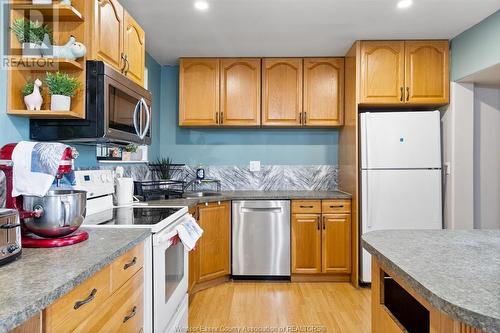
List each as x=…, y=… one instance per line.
x=476, y=48
x=238, y=146
x=154, y=86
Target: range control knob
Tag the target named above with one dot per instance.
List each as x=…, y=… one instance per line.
x=103, y=177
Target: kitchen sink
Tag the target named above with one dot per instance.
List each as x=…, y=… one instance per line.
x=195, y=195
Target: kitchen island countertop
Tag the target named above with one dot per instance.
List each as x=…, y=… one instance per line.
x=256, y=195
x=457, y=271
x=41, y=276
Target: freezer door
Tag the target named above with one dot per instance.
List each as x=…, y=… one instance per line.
x=399, y=140
x=398, y=199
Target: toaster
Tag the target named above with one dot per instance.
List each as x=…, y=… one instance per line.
x=10, y=235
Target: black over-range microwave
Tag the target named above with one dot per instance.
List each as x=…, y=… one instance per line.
x=118, y=111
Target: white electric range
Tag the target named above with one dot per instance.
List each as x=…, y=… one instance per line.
x=165, y=260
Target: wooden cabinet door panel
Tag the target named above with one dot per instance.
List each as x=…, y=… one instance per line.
x=214, y=244
x=282, y=92
x=427, y=72
x=134, y=48
x=306, y=244
x=193, y=258
x=382, y=72
x=336, y=243
x=108, y=32
x=240, y=92
x=323, y=91
x=199, y=92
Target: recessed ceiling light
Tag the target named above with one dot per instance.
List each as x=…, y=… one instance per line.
x=404, y=4
x=201, y=5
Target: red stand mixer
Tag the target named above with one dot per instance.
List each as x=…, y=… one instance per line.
x=57, y=207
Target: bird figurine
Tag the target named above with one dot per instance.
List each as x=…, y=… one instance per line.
x=34, y=100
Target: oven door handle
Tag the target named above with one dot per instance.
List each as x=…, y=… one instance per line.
x=148, y=118
x=136, y=111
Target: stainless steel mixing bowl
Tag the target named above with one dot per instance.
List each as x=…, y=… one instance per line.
x=62, y=212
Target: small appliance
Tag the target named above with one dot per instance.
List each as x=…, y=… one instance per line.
x=400, y=173
x=52, y=220
x=10, y=235
x=118, y=111
x=165, y=258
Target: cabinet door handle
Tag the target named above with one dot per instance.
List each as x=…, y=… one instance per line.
x=221, y=118
x=131, y=315
x=337, y=206
x=217, y=117
x=305, y=118
x=407, y=94
x=402, y=94
x=124, y=62
x=127, y=64
x=306, y=206
x=324, y=222
x=130, y=264
x=89, y=299
x=300, y=118
x=318, y=222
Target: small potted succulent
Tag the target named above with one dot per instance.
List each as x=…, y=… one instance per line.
x=30, y=34
x=61, y=87
x=128, y=151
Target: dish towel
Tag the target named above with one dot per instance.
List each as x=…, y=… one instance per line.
x=35, y=167
x=189, y=232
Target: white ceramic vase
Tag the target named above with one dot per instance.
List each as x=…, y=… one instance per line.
x=31, y=50
x=60, y=103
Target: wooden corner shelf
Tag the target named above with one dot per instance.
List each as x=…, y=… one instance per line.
x=47, y=114
x=45, y=64
x=49, y=12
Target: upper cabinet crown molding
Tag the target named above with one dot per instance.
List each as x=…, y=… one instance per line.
x=408, y=73
x=282, y=91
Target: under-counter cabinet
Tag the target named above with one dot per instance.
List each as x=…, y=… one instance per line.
x=321, y=238
x=112, y=300
x=199, y=92
x=209, y=263
x=282, y=92
x=117, y=39
x=408, y=73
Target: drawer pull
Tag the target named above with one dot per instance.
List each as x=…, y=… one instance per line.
x=89, y=299
x=130, y=264
x=131, y=315
x=337, y=206
x=306, y=206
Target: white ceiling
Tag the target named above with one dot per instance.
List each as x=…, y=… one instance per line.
x=294, y=27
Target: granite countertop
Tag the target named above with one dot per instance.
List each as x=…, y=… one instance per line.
x=457, y=271
x=256, y=195
x=41, y=276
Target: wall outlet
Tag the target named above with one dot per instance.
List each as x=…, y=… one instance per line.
x=254, y=166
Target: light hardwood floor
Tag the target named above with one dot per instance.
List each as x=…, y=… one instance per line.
x=325, y=307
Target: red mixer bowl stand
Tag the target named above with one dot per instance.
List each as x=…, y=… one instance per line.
x=36, y=242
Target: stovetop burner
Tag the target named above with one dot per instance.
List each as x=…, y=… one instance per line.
x=131, y=216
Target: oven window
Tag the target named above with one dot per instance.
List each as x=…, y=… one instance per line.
x=174, y=269
x=121, y=110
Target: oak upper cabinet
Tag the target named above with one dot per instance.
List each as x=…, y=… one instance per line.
x=306, y=243
x=199, y=92
x=214, y=245
x=240, y=92
x=336, y=243
x=282, y=92
x=427, y=72
x=108, y=33
x=382, y=72
x=323, y=92
x=134, y=49
x=404, y=72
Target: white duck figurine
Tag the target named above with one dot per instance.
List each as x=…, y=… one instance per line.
x=34, y=100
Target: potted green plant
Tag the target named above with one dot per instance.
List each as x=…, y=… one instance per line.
x=30, y=34
x=164, y=168
x=127, y=152
x=61, y=87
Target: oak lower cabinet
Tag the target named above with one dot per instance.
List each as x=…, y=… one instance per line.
x=117, y=39
x=321, y=239
x=110, y=301
x=404, y=73
x=209, y=263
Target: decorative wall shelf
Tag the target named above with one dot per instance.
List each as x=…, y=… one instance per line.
x=51, y=12
x=45, y=64
x=47, y=114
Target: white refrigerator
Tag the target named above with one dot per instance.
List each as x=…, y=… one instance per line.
x=400, y=174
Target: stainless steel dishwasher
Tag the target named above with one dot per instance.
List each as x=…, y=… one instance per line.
x=261, y=239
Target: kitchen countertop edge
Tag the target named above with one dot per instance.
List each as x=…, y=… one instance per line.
x=22, y=316
x=469, y=317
